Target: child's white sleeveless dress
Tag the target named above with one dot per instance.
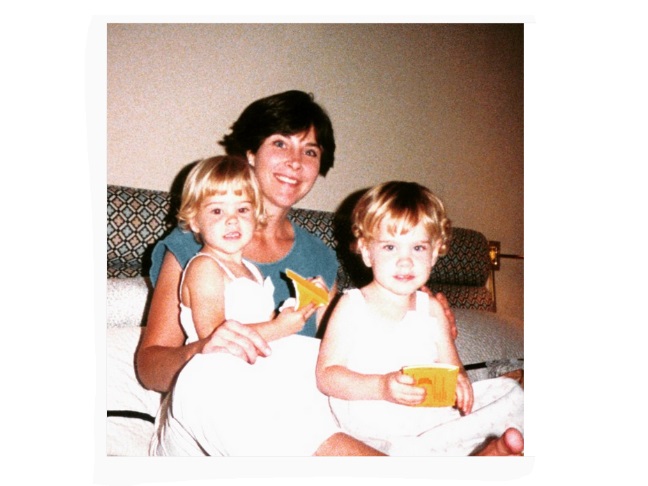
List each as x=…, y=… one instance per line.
x=382, y=347
x=246, y=301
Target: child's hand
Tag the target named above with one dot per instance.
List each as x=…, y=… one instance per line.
x=291, y=320
x=399, y=388
x=464, y=393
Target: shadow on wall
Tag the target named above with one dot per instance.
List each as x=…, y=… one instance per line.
x=170, y=221
x=347, y=255
x=175, y=193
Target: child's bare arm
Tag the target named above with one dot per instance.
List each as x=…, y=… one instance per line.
x=290, y=321
x=203, y=290
x=333, y=377
x=285, y=323
x=336, y=380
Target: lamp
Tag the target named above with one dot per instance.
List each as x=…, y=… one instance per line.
x=495, y=254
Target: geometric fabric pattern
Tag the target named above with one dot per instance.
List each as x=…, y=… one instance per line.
x=136, y=221
x=465, y=296
x=467, y=261
x=319, y=223
x=138, y=218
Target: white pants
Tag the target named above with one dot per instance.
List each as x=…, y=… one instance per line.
x=499, y=405
x=223, y=406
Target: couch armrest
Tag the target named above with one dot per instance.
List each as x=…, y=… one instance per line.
x=487, y=340
x=127, y=301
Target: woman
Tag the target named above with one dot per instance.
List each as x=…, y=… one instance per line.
x=288, y=139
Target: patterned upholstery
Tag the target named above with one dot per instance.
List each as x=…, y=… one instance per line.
x=467, y=261
x=320, y=223
x=138, y=218
x=465, y=296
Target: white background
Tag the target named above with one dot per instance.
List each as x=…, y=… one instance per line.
x=585, y=151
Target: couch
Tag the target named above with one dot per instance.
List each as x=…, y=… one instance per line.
x=488, y=344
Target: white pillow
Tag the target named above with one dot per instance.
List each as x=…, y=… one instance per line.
x=123, y=390
x=127, y=301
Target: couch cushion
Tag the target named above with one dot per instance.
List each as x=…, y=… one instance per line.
x=467, y=261
x=137, y=218
x=465, y=296
x=489, y=342
x=319, y=223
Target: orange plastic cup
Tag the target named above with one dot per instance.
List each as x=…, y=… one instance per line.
x=307, y=291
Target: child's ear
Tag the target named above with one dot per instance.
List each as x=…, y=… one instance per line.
x=193, y=227
x=436, y=248
x=364, y=252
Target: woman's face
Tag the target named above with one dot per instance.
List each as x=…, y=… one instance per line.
x=286, y=167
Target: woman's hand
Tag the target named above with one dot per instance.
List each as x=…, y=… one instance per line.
x=464, y=393
x=399, y=388
x=237, y=339
x=449, y=314
x=447, y=310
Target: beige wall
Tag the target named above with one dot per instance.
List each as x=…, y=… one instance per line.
x=441, y=104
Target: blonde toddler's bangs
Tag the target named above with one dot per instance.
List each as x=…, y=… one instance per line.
x=218, y=176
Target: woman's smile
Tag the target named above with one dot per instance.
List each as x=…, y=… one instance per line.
x=287, y=180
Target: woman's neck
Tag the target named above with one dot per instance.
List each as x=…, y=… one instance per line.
x=277, y=223
x=272, y=241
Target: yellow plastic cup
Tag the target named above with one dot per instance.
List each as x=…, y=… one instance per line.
x=439, y=381
x=307, y=291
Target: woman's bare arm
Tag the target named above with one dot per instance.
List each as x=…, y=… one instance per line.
x=161, y=353
x=443, y=300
